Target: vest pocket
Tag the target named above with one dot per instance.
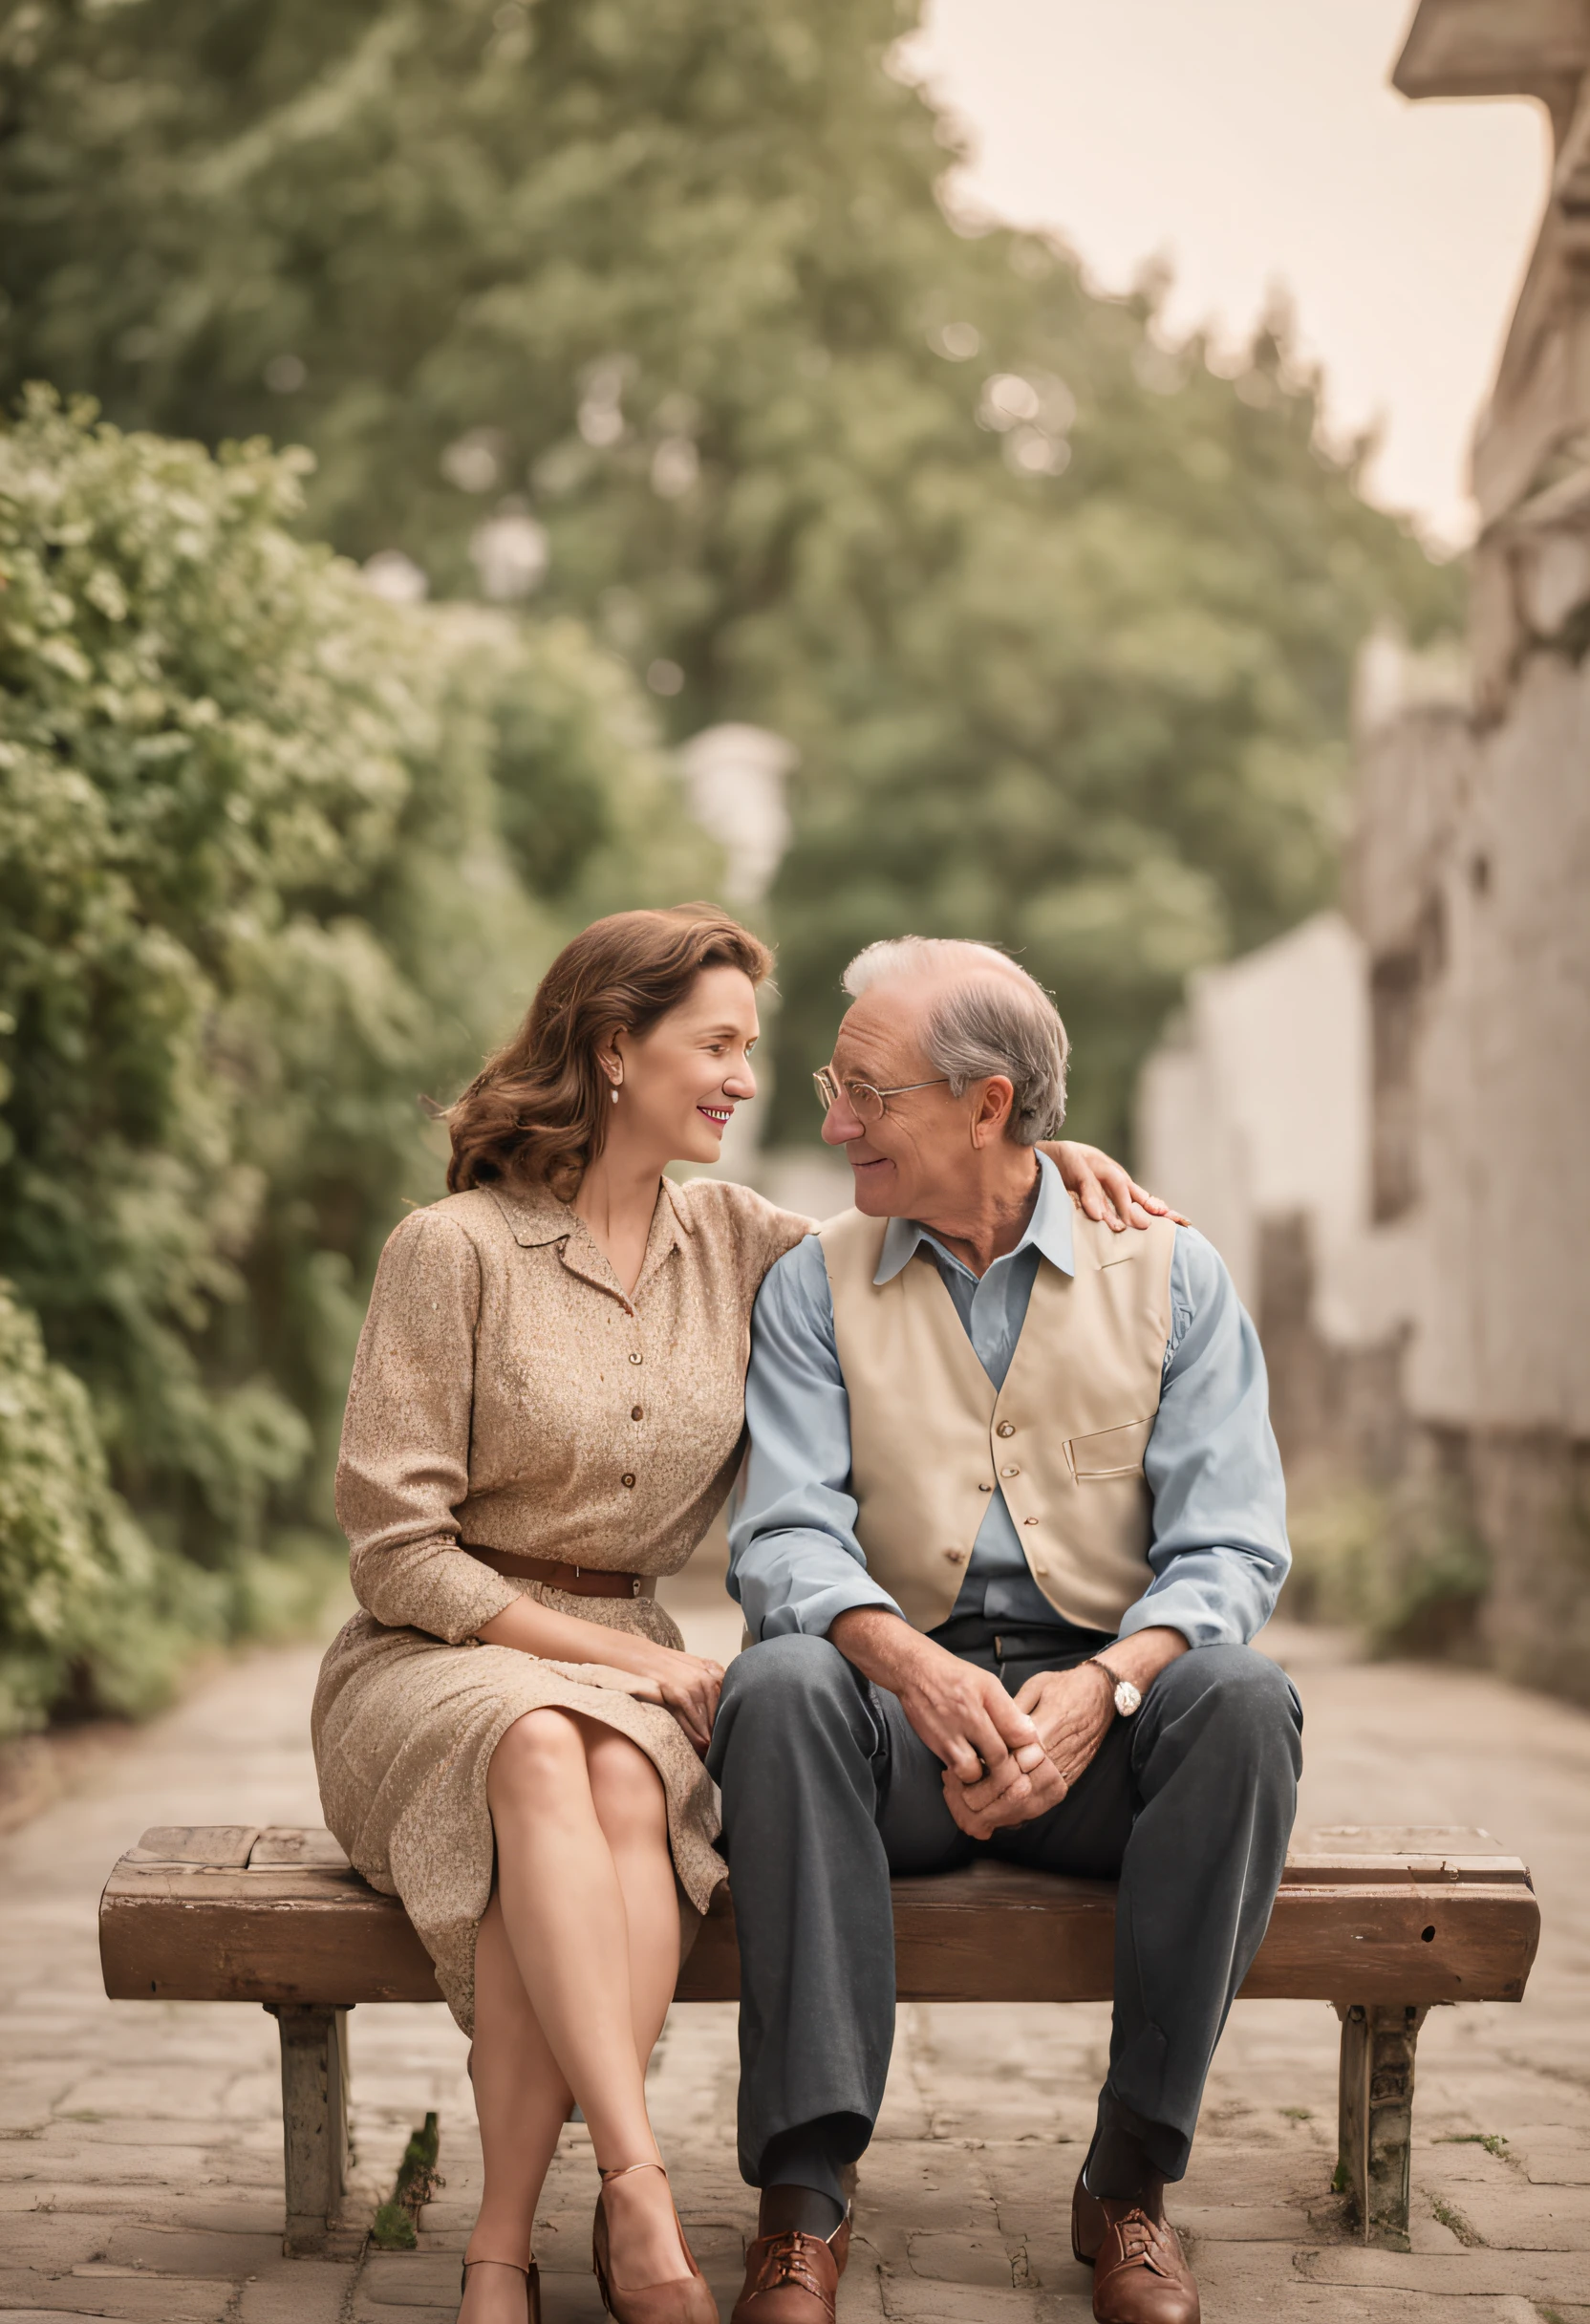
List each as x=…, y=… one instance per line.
x=1111, y=1452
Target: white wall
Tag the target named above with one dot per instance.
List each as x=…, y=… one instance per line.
x=1504, y=1081
x=1258, y=1108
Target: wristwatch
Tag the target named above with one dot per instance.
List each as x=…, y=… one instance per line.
x=1127, y=1697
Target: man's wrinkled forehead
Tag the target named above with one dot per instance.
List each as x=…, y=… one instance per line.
x=884, y=1030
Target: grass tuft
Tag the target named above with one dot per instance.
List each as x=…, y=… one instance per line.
x=395, y=2226
x=1466, y=2233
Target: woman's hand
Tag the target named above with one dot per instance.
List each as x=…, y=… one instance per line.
x=616, y=1682
x=1105, y=1190
x=689, y=1686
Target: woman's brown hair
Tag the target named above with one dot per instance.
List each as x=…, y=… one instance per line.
x=538, y=1110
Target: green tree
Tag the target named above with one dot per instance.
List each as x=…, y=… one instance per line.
x=1062, y=623
x=264, y=880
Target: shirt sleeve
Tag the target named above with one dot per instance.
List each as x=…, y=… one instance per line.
x=794, y=1561
x=1219, y=1553
x=405, y=1464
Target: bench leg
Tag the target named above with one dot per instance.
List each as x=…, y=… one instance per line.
x=315, y=2121
x=1378, y=2042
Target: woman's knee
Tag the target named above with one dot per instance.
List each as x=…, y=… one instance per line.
x=541, y=1751
x=625, y=1787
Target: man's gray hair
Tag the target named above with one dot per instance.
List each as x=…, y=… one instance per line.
x=993, y=1019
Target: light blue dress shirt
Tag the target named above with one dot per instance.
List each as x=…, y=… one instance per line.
x=1219, y=1549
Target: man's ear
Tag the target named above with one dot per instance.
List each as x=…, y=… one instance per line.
x=992, y=1111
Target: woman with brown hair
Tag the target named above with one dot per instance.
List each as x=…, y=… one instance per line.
x=544, y=1415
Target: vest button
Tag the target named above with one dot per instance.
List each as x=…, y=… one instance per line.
x=634, y=1359
x=628, y=1477
x=1006, y=1428
x=1042, y=1571
x=1029, y=1520
x=956, y=1556
x=1012, y=1471
x=985, y=1488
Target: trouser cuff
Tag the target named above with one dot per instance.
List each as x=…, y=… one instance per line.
x=1127, y=2150
x=813, y=2155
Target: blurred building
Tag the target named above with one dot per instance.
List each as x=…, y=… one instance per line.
x=1253, y=1117
x=1387, y=1119
x=734, y=779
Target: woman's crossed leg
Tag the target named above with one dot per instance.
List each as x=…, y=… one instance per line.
x=574, y=1967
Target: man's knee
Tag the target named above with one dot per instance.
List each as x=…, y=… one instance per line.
x=780, y=1690
x=1236, y=1693
x=787, y=1677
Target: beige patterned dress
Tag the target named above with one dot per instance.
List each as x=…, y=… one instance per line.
x=508, y=1394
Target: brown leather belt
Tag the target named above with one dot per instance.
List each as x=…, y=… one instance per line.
x=580, y=1581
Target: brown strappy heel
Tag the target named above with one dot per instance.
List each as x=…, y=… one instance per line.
x=530, y=2273
x=683, y=2299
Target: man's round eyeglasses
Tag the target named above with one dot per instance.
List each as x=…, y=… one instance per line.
x=865, y=1101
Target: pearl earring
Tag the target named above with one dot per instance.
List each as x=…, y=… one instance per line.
x=614, y=1093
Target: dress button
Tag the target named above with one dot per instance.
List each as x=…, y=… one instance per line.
x=1006, y=1428
x=628, y=1477
x=635, y=1412
x=636, y=1359
x=1012, y=1471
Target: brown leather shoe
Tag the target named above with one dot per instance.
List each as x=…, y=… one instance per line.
x=1140, y=2271
x=794, y=2278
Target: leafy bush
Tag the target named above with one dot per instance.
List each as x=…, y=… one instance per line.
x=1402, y=1566
x=268, y=872
x=90, y=1610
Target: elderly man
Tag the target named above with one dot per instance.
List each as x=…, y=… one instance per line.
x=1012, y=1512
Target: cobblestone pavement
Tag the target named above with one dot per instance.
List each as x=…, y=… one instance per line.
x=140, y=2147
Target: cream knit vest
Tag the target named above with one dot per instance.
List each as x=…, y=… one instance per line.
x=1063, y=1440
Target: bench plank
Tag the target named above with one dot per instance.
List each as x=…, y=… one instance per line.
x=217, y=1845
x=298, y=1925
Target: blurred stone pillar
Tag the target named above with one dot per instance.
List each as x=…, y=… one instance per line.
x=734, y=778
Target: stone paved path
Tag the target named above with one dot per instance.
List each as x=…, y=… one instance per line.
x=140, y=2147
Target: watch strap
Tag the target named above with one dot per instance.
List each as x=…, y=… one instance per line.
x=1116, y=1682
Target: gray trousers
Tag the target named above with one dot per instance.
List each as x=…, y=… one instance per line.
x=827, y=1790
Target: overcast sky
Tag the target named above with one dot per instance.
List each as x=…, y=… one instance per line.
x=1259, y=142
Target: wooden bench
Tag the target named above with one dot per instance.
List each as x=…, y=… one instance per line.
x=1382, y=1923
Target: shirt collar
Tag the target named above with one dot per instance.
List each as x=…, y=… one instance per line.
x=1049, y=1230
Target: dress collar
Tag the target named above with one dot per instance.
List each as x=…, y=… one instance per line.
x=1049, y=1230
x=535, y=1214
x=535, y=1218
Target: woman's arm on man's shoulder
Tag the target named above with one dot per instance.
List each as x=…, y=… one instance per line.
x=1107, y=1190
